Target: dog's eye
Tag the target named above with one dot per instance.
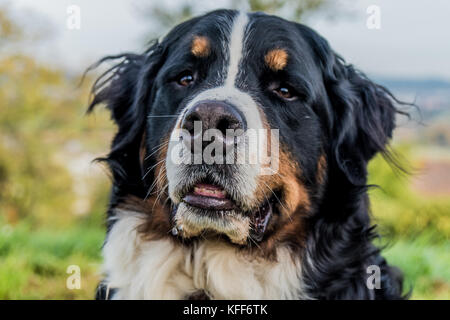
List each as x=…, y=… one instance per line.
x=185, y=79
x=285, y=92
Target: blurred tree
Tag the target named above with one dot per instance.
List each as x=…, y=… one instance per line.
x=291, y=9
x=44, y=138
x=9, y=31
x=165, y=16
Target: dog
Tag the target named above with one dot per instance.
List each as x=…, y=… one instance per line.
x=296, y=226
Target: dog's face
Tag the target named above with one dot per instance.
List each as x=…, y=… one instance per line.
x=231, y=72
x=235, y=125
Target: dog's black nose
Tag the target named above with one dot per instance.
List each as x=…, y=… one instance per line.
x=208, y=120
x=217, y=115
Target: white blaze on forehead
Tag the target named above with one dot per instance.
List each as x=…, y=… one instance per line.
x=228, y=91
x=236, y=47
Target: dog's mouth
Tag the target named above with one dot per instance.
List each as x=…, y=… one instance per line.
x=209, y=207
x=209, y=197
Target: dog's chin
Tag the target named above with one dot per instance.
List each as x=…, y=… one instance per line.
x=207, y=211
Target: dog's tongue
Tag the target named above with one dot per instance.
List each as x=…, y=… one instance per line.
x=208, y=196
x=209, y=190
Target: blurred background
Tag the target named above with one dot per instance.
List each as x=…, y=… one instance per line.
x=53, y=197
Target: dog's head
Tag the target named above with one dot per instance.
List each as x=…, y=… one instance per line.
x=237, y=124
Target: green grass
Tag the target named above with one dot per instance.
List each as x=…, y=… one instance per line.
x=425, y=264
x=33, y=263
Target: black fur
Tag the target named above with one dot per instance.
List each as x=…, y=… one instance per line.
x=339, y=113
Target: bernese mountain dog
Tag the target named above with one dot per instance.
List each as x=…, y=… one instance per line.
x=240, y=166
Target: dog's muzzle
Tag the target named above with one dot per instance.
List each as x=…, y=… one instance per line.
x=212, y=188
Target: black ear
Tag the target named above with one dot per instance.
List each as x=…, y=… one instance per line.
x=364, y=118
x=363, y=112
x=126, y=89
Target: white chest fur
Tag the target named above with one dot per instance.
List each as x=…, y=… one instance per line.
x=161, y=269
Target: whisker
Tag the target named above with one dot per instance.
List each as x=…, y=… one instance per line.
x=151, y=168
x=278, y=200
x=150, y=189
x=153, y=184
x=253, y=240
x=162, y=191
x=160, y=146
x=276, y=172
x=163, y=116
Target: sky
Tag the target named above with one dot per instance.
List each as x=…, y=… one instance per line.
x=413, y=40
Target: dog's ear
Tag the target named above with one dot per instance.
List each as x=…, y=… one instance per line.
x=126, y=89
x=364, y=118
x=363, y=112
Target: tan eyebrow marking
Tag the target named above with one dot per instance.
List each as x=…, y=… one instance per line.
x=200, y=46
x=276, y=59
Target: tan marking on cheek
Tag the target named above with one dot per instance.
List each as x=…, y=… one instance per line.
x=289, y=230
x=293, y=206
x=286, y=177
x=276, y=59
x=295, y=192
x=200, y=46
x=321, y=169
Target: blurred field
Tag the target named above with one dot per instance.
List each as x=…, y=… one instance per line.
x=53, y=199
x=415, y=225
